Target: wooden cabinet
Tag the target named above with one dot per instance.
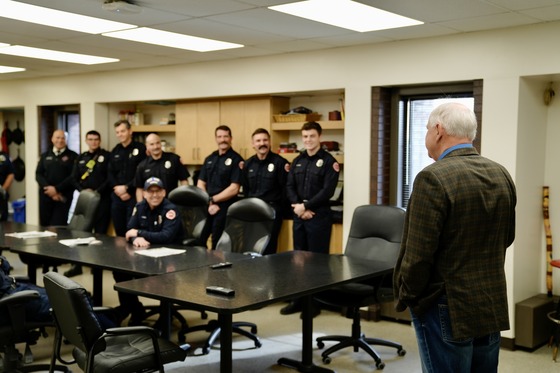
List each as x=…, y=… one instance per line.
x=197, y=121
x=286, y=238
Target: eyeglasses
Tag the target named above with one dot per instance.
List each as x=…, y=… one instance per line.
x=154, y=191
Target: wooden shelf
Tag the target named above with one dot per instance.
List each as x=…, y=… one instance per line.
x=295, y=126
x=154, y=128
x=291, y=156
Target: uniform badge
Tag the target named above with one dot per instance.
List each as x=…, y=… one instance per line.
x=135, y=152
x=319, y=163
x=100, y=159
x=2, y=157
x=170, y=214
x=228, y=162
x=65, y=158
x=167, y=164
x=336, y=167
x=270, y=167
x=134, y=211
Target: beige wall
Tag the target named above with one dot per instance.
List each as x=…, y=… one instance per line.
x=519, y=131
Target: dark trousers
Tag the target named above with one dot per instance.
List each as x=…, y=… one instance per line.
x=53, y=212
x=215, y=225
x=120, y=213
x=102, y=216
x=313, y=234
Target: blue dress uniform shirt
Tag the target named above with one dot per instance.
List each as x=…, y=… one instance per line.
x=168, y=169
x=219, y=171
x=162, y=225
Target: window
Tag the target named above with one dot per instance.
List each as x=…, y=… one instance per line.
x=414, y=111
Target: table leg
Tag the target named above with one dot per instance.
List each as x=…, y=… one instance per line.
x=165, y=319
x=225, y=342
x=306, y=363
x=97, y=286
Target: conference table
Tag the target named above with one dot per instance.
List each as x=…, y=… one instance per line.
x=107, y=253
x=257, y=283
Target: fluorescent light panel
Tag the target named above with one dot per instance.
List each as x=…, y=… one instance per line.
x=10, y=69
x=171, y=39
x=46, y=54
x=57, y=18
x=346, y=14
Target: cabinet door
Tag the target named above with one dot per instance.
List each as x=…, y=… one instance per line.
x=196, y=123
x=243, y=117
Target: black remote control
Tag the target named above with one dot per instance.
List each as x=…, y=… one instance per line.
x=220, y=290
x=221, y=265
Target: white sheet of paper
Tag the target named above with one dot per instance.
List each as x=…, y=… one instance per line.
x=77, y=241
x=31, y=234
x=159, y=252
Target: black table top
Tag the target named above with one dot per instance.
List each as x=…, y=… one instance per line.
x=114, y=253
x=13, y=227
x=257, y=282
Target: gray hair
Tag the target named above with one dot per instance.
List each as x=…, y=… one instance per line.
x=457, y=119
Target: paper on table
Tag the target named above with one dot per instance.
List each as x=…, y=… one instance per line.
x=77, y=241
x=31, y=234
x=160, y=251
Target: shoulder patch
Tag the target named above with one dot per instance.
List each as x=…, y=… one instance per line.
x=336, y=167
x=170, y=214
x=287, y=167
x=241, y=165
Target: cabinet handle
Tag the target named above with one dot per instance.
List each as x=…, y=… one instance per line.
x=193, y=155
x=197, y=153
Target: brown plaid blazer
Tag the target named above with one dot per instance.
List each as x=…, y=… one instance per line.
x=459, y=222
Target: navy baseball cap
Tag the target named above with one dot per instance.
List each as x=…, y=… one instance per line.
x=153, y=181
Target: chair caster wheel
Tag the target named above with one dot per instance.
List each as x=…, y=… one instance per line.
x=258, y=344
x=380, y=365
x=327, y=360
x=320, y=345
x=205, y=350
x=401, y=352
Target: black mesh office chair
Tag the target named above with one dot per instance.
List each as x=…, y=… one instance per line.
x=192, y=203
x=16, y=329
x=248, y=228
x=117, y=350
x=375, y=233
x=83, y=218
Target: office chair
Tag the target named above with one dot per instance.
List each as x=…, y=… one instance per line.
x=375, y=233
x=19, y=330
x=85, y=210
x=192, y=203
x=248, y=228
x=117, y=350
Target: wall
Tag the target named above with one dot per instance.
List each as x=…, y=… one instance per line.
x=515, y=121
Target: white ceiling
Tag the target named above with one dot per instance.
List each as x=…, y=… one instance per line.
x=248, y=22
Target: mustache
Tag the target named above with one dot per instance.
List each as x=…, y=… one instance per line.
x=263, y=147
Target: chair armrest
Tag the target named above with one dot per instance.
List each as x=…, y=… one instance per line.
x=19, y=297
x=124, y=330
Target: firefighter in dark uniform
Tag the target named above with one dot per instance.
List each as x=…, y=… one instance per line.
x=163, y=165
x=265, y=175
x=221, y=177
x=6, y=179
x=311, y=183
x=125, y=158
x=54, y=175
x=155, y=220
x=90, y=173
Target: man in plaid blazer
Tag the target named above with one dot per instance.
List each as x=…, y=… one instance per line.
x=450, y=272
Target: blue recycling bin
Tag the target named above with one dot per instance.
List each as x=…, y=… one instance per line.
x=19, y=210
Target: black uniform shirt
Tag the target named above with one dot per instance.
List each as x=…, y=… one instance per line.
x=312, y=180
x=90, y=171
x=56, y=170
x=219, y=171
x=168, y=169
x=162, y=225
x=266, y=179
x=6, y=167
x=123, y=164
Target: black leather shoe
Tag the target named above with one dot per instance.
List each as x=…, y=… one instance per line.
x=293, y=307
x=75, y=270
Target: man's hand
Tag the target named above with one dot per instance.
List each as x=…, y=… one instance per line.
x=50, y=191
x=213, y=209
x=131, y=233
x=301, y=212
x=120, y=190
x=140, y=242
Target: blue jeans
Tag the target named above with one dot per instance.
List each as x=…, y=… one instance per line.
x=440, y=352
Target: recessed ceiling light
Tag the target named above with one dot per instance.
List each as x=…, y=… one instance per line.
x=10, y=69
x=346, y=14
x=46, y=54
x=57, y=18
x=171, y=39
